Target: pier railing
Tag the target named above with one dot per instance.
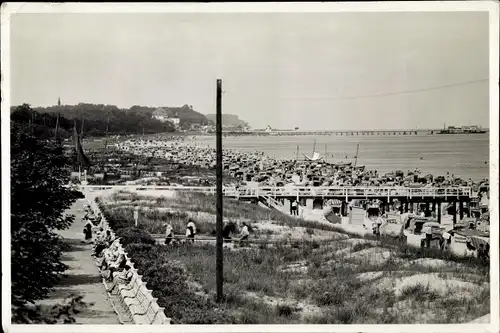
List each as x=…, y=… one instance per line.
x=303, y=191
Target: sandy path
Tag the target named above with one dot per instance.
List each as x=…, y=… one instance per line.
x=83, y=277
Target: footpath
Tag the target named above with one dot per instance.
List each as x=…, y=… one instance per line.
x=82, y=277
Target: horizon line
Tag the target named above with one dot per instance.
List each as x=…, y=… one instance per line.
x=254, y=128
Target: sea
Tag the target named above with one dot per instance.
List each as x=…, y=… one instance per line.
x=465, y=156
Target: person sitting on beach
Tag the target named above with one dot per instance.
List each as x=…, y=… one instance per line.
x=108, y=254
x=98, y=219
x=190, y=230
x=122, y=277
x=108, y=239
x=169, y=234
x=100, y=235
x=117, y=265
x=102, y=242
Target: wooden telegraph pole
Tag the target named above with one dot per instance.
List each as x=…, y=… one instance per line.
x=219, y=257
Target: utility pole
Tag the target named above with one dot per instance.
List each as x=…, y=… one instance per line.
x=357, y=151
x=219, y=258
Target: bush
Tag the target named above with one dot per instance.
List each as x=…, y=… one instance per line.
x=284, y=310
x=169, y=284
x=135, y=235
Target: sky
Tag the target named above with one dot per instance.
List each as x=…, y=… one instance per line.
x=286, y=70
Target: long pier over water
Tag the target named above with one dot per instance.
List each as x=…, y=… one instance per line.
x=317, y=196
x=340, y=133
x=334, y=133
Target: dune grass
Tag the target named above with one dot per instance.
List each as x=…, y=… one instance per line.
x=332, y=286
x=184, y=204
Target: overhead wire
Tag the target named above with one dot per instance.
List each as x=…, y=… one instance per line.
x=458, y=84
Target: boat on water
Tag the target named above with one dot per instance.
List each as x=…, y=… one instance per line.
x=315, y=158
x=462, y=130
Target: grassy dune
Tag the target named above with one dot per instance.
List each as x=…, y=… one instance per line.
x=344, y=280
x=156, y=211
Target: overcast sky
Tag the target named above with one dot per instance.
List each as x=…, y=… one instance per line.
x=281, y=69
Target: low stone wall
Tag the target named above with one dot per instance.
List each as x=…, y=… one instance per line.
x=135, y=296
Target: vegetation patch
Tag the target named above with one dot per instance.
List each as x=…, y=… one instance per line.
x=338, y=281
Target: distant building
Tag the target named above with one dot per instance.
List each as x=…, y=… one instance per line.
x=163, y=116
x=268, y=128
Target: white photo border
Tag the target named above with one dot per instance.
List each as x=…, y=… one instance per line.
x=9, y=9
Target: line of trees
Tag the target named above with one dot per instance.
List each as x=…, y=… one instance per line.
x=38, y=202
x=95, y=120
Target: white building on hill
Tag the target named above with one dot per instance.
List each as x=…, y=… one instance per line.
x=163, y=115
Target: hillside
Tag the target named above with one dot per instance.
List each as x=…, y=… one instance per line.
x=187, y=114
x=120, y=121
x=229, y=120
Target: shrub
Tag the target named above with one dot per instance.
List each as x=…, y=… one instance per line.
x=419, y=292
x=284, y=310
x=135, y=235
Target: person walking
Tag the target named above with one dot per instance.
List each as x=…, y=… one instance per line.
x=445, y=241
x=190, y=230
x=87, y=231
x=295, y=208
x=169, y=234
x=428, y=235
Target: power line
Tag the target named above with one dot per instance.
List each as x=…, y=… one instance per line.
x=395, y=92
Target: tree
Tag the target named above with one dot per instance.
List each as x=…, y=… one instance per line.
x=38, y=201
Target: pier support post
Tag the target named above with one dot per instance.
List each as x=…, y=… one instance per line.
x=401, y=207
x=406, y=206
x=454, y=213
x=461, y=204
x=439, y=211
x=468, y=209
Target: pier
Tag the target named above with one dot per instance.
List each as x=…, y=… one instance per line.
x=350, y=133
x=459, y=198
x=334, y=133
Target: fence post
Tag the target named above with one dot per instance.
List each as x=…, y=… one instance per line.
x=136, y=216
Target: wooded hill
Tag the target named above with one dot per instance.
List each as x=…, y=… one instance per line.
x=95, y=119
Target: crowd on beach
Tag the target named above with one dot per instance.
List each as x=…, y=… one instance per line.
x=255, y=167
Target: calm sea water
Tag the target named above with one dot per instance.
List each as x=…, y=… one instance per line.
x=462, y=155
